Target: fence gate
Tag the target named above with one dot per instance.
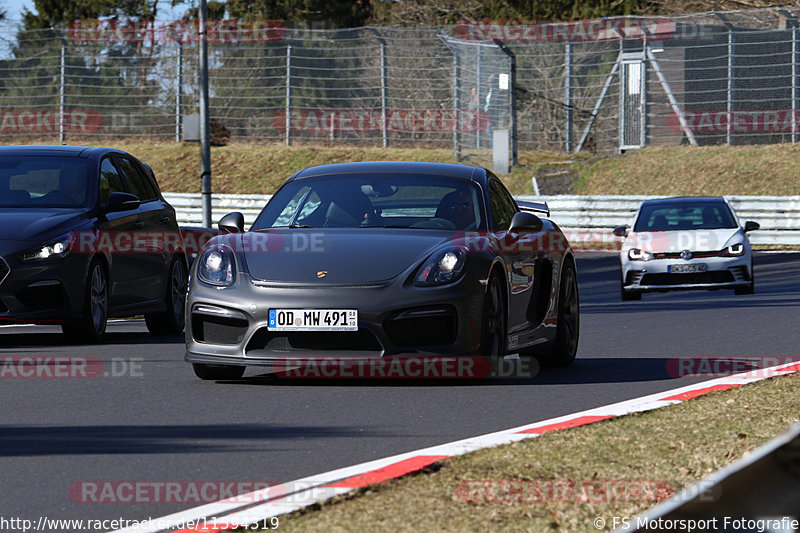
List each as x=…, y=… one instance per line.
x=632, y=126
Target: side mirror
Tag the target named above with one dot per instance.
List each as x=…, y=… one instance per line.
x=523, y=221
x=751, y=226
x=232, y=223
x=621, y=231
x=122, y=201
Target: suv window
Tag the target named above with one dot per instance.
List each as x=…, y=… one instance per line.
x=138, y=183
x=110, y=180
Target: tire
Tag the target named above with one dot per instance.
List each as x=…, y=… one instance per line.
x=494, y=330
x=91, y=327
x=217, y=372
x=173, y=319
x=565, y=347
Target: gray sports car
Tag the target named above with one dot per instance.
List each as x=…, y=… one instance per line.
x=367, y=261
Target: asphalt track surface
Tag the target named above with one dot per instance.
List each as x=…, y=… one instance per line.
x=156, y=422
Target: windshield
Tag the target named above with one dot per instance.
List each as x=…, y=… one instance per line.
x=369, y=200
x=43, y=181
x=682, y=216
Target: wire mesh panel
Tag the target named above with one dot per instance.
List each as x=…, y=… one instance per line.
x=708, y=78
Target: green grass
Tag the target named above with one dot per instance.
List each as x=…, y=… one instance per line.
x=674, y=170
x=666, y=449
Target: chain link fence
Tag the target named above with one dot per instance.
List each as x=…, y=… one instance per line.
x=600, y=85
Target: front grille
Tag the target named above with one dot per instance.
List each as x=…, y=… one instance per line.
x=314, y=341
x=42, y=296
x=218, y=329
x=3, y=269
x=677, y=255
x=422, y=327
x=716, y=276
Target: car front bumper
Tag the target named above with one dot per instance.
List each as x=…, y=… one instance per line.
x=42, y=291
x=654, y=274
x=229, y=325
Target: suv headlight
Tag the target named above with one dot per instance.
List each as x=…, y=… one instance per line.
x=216, y=266
x=734, y=250
x=55, y=249
x=636, y=254
x=444, y=266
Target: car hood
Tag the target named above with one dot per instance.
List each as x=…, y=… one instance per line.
x=347, y=256
x=22, y=227
x=707, y=240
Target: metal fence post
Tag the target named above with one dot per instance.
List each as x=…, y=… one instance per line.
x=478, y=109
x=794, y=83
x=288, y=110
x=62, y=93
x=513, y=98
x=384, y=95
x=730, y=87
x=205, y=141
x=179, y=93
x=456, y=107
x=568, y=97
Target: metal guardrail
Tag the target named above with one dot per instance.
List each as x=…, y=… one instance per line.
x=586, y=218
x=760, y=492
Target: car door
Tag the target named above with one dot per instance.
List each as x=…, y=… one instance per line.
x=116, y=234
x=519, y=253
x=150, y=256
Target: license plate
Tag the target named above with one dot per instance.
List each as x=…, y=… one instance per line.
x=688, y=268
x=312, y=320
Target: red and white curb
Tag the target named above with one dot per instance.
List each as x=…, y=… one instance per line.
x=288, y=497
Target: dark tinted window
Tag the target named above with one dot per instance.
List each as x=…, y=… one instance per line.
x=43, y=181
x=369, y=200
x=503, y=207
x=685, y=216
x=110, y=180
x=138, y=183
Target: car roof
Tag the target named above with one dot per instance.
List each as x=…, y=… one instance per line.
x=397, y=167
x=54, y=150
x=684, y=200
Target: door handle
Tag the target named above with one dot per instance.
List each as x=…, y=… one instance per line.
x=164, y=219
x=139, y=223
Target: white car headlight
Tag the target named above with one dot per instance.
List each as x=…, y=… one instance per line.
x=55, y=249
x=216, y=266
x=636, y=254
x=445, y=266
x=734, y=250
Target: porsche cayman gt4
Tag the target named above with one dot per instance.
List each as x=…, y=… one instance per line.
x=364, y=261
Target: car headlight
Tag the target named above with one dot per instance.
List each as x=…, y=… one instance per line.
x=215, y=266
x=445, y=266
x=55, y=249
x=636, y=254
x=734, y=250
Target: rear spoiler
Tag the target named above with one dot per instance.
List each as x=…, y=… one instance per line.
x=534, y=207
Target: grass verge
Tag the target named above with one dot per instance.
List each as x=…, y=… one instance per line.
x=668, y=448
x=673, y=170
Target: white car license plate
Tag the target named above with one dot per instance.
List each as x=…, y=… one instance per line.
x=688, y=268
x=312, y=320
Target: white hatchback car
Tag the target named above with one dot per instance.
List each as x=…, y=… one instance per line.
x=685, y=243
